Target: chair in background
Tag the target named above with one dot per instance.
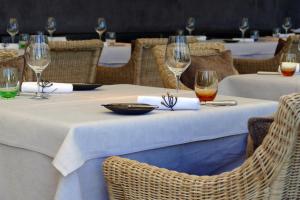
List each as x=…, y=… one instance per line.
x=196, y=49
x=250, y=66
x=72, y=62
x=272, y=172
x=145, y=66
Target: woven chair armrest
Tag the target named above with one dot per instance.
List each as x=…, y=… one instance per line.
x=139, y=180
x=250, y=66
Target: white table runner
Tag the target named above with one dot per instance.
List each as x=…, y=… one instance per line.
x=74, y=128
x=269, y=87
x=116, y=55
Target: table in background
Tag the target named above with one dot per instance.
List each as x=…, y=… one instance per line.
x=115, y=55
x=256, y=50
x=75, y=131
x=269, y=87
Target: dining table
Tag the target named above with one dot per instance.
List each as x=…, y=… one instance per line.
x=260, y=86
x=54, y=148
x=115, y=54
x=252, y=50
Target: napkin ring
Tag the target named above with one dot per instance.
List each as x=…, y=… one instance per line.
x=46, y=84
x=169, y=101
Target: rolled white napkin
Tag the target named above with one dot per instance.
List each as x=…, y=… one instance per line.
x=244, y=39
x=182, y=103
x=31, y=87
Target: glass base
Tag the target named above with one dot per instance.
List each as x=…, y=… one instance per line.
x=39, y=97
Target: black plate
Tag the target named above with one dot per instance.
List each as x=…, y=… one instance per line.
x=85, y=86
x=230, y=41
x=130, y=108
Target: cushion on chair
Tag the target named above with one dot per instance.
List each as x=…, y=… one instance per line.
x=222, y=63
x=280, y=45
x=258, y=128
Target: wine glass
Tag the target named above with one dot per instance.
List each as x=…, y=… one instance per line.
x=190, y=25
x=177, y=57
x=12, y=28
x=37, y=56
x=101, y=27
x=244, y=26
x=51, y=26
x=206, y=85
x=287, y=24
x=289, y=64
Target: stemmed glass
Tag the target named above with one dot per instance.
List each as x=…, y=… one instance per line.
x=101, y=27
x=51, y=26
x=190, y=25
x=244, y=26
x=287, y=24
x=12, y=28
x=177, y=57
x=37, y=56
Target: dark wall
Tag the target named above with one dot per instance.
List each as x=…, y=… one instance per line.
x=79, y=16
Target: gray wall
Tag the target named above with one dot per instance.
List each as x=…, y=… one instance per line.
x=79, y=16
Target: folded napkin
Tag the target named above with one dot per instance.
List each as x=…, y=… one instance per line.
x=182, y=103
x=244, y=39
x=31, y=87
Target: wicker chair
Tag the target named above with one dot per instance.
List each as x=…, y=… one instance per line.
x=145, y=67
x=197, y=49
x=250, y=66
x=271, y=173
x=72, y=62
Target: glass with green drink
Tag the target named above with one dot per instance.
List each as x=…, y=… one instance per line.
x=23, y=40
x=9, y=82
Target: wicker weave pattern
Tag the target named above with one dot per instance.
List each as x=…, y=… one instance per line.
x=249, y=66
x=196, y=49
x=271, y=173
x=72, y=61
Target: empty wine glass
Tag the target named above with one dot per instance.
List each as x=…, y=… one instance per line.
x=190, y=25
x=51, y=26
x=177, y=57
x=244, y=26
x=287, y=24
x=12, y=28
x=101, y=27
x=37, y=56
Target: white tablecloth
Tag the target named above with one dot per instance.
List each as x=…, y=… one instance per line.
x=269, y=87
x=116, y=55
x=255, y=50
x=74, y=129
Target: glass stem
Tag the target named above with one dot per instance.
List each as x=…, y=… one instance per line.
x=13, y=39
x=177, y=82
x=38, y=80
x=243, y=34
x=190, y=32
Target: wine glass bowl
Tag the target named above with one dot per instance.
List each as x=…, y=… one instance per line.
x=287, y=24
x=206, y=85
x=288, y=65
x=101, y=27
x=190, y=25
x=244, y=26
x=177, y=56
x=51, y=26
x=37, y=56
x=12, y=28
